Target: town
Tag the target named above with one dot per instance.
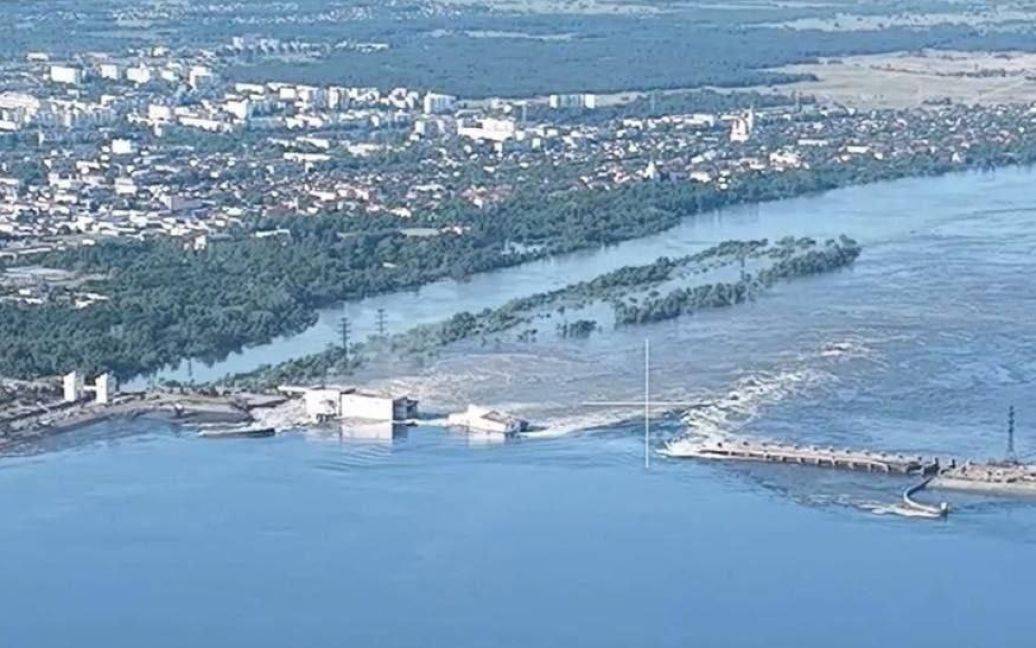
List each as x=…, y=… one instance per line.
x=157, y=143
x=517, y=322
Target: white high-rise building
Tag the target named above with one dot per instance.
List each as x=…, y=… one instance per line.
x=741, y=128
x=438, y=103
x=159, y=113
x=66, y=74
x=241, y=109
x=140, y=74
x=123, y=147
x=582, y=100
x=199, y=76
x=490, y=129
x=17, y=110
x=110, y=71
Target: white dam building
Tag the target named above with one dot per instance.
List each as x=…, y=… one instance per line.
x=336, y=403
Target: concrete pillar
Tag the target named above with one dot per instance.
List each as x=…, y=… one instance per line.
x=104, y=388
x=73, y=386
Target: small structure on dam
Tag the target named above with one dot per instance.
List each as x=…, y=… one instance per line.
x=484, y=419
x=104, y=388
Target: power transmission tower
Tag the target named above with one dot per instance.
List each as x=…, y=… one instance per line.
x=327, y=365
x=343, y=329
x=1010, y=432
x=381, y=322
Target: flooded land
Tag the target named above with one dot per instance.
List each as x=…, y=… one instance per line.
x=919, y=346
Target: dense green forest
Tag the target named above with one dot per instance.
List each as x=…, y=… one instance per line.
x=167, y=304
x=489, y=49
x=478, y=53
x=606, y=54
x=682, y=301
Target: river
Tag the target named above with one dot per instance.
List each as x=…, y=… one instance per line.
x=141, y=534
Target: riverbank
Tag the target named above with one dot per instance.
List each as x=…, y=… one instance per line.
x=244, y=292
x=762, y=353
x=180, y=407
x=938, y=301
x=441, y=299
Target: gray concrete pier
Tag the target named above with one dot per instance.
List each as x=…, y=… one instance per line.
x=863, y=460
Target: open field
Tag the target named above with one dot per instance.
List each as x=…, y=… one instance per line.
x=1002, y=18
x=902, y=80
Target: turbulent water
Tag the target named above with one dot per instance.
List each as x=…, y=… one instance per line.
x=140, y=534
x=920, y=346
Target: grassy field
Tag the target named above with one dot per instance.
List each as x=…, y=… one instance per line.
x=900, y=80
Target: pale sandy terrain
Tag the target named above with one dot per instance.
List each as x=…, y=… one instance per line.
x=902, y=80
x=588, y=7
x=1004, y=18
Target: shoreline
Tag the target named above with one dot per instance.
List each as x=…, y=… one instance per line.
x=885, y=175
x=185, y=409
x=242, y=408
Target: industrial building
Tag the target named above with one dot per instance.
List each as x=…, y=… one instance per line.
x=337, y=403
x=377, y=407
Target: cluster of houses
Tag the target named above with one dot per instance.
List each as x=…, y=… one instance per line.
x=158, y=143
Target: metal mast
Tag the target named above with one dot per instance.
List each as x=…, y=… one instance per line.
x=343, y=328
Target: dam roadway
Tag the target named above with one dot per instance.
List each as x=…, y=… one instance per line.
x=860, y=460
x=803, y=455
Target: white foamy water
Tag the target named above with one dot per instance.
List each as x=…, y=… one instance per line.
x=920, y=346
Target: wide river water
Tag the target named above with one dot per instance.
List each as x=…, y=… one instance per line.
x=142, y=534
